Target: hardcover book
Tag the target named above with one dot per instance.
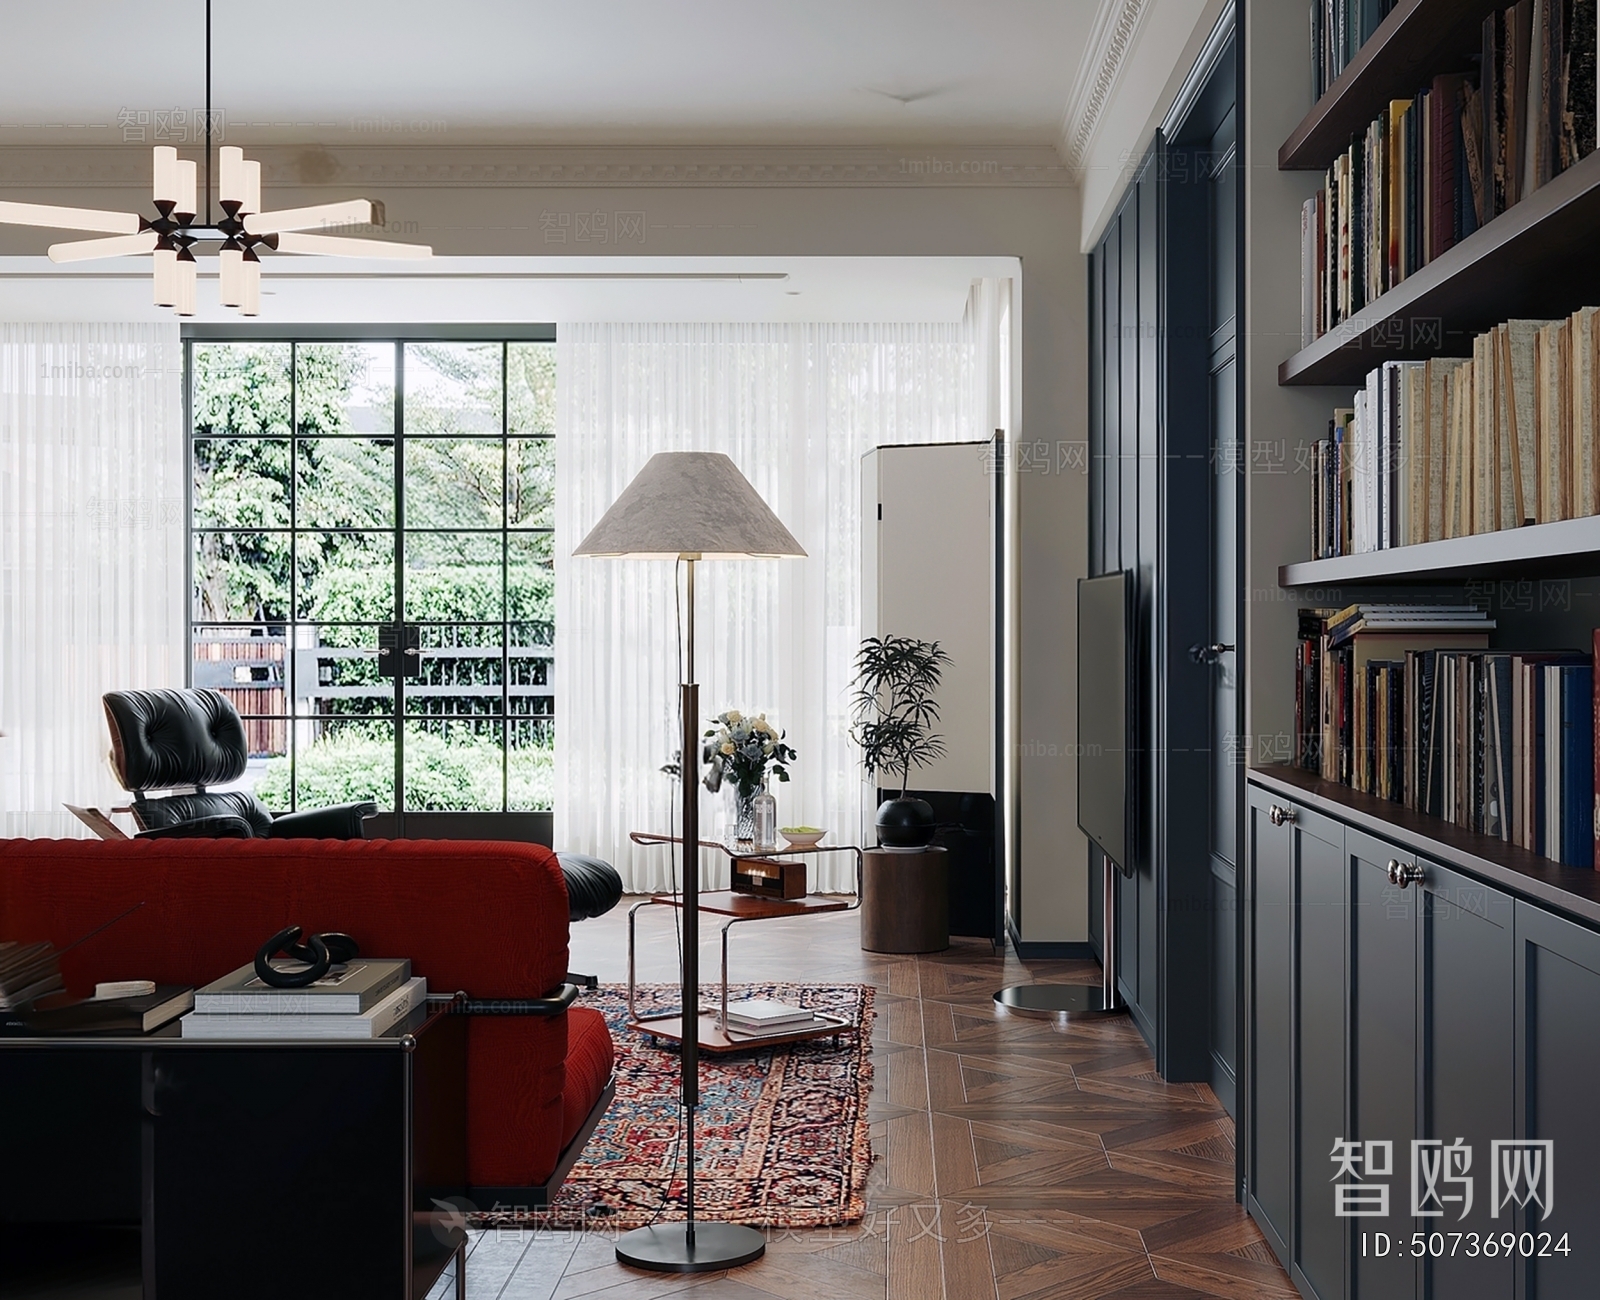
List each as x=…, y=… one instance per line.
x=345, y=991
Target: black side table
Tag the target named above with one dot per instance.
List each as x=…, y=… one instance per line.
x=249, y=1167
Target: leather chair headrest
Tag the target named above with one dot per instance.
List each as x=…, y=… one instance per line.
x=161, y=739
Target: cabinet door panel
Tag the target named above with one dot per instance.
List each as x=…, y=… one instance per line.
x=1270, y=916
x=1319, y=993
x=1468, y=1031
x=1383, y=1065
x=1557, y=1066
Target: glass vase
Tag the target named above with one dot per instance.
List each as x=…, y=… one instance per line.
x=743, y=819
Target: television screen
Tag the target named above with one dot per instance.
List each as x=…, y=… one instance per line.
x=1103, y=617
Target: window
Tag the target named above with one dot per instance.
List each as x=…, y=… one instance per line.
x=371, y=559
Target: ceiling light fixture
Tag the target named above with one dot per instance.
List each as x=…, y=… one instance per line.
x=243, y=230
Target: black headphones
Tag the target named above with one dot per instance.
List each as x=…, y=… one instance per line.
x=320, y=952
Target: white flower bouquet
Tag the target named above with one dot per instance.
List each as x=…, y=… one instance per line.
x=745, y=749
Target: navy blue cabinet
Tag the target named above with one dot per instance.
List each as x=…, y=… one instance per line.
x=1422, y=1047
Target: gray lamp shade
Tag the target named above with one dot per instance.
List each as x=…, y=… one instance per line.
x=689, y=505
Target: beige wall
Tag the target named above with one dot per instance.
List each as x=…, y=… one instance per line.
x=488, y=201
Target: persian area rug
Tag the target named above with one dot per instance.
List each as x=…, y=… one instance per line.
x=781, y=1133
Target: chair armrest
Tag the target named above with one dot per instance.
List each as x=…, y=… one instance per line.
x=342, y=821
x=222, y=826
x=552, y=1004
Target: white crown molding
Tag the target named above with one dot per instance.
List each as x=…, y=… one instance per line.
x=497, y=166
x=1116, y=28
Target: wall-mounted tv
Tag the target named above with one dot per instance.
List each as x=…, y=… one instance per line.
x=1105, y=611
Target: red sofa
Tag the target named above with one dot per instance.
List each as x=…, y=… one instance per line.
x=486, y=918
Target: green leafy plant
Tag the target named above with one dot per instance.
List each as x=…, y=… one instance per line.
x=894, y=706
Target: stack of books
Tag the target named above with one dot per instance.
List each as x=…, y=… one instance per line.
x=756, y=1017
x=1432, y=169
x=1457, y=446
x=363, y=999
x=1412, y=706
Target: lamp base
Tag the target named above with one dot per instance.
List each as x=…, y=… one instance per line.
x=665, y=1247
x=1073, y=1000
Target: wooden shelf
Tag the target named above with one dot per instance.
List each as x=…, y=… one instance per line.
x=1417, y=41
x=1539, y=259
x=1538, y=550
x=1573, y=890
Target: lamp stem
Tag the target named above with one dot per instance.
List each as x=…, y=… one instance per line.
x=208, y=112
x=688, y=768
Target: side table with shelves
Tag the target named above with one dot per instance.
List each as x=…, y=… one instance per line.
x=714, y=1035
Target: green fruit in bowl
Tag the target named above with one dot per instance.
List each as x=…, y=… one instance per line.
x=801, y=830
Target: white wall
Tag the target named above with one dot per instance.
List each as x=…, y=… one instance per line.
x=1010, y=203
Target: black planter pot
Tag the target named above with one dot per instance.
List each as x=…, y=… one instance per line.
x=905, y=823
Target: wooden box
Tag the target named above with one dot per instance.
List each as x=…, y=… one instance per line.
x=769, y=877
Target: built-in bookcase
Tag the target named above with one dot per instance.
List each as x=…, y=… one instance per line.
x=1540, y=258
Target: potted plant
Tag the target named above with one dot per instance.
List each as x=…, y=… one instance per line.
x=895, y=711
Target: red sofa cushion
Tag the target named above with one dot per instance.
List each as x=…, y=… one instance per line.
x=590, y=1058
x=487, y=918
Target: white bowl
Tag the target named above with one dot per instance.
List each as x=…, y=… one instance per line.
x=799, y=841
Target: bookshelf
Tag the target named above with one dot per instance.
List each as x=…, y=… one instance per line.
x=1538, y=259
x=1538, y=550
x=1418, y=39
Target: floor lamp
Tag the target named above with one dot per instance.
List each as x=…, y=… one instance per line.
x=690, y=506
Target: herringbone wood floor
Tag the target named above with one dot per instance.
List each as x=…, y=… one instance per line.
x=1017, y=1159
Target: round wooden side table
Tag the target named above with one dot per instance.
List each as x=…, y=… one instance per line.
x=905, y=901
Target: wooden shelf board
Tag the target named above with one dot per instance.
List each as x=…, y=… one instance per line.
x=1573, y=890
x=1539, y=259
x=1416, y=42
x=1543, y=550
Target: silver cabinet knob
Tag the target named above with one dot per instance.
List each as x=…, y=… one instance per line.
x=1209, y=654
x=1402, y=874
x=1279, y=815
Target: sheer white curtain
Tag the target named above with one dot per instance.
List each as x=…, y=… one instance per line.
x=795, y=406
x=91, y=552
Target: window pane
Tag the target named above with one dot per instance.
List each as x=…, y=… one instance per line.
x=455, y=482
x=531, y=483
x=241, y=390
x=462, y=672
x=240, y=577
x=241, y=483
x=346, y=577
x=336, y=673
x=344, y=483
x=452, y=389
x=454, y=764
x=453, y=577
x=344, y=388
x=531, y=764
x=531, y=390
x=339, y=760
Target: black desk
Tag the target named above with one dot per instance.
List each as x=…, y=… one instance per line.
x=233, y=1168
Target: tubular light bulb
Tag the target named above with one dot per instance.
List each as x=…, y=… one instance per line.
x=166, y=277
x=230, y=277
x=250, y=299
x=252, y=187
x=188, y=273
x=230, y=179
x=166, y=174
x=188, y=187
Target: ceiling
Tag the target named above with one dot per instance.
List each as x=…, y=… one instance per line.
x=622, y=72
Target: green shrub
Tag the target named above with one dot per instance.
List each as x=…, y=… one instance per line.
x=458, y=772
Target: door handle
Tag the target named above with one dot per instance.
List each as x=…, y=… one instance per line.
x=1209, y=654
x=1402, y=874
x=1279, y=815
